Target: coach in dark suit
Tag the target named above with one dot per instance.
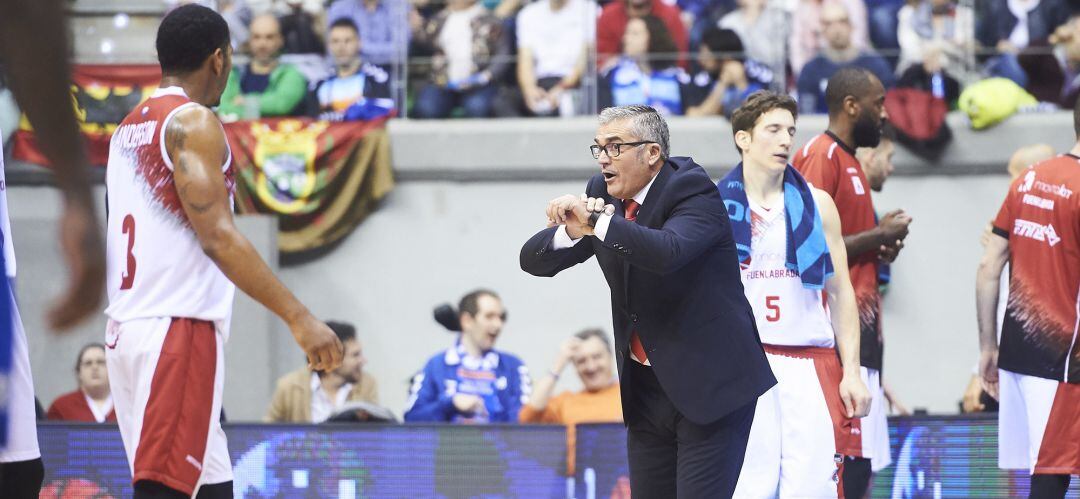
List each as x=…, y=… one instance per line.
x=690, y=361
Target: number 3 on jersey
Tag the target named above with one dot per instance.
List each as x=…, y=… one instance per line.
x=771, y=302
x=128, y=228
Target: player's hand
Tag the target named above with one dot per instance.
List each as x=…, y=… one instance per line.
x=972, y=395
x=895, y=225
x=322, y=346
x=855, y=396
x=988, y=372
x=469, y=404
x=567, y=351
x=80, y=242
x=888, y=253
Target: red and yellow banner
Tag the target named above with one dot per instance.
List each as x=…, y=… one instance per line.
x=321, y=178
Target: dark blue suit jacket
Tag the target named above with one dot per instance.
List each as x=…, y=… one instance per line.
x=674, y=278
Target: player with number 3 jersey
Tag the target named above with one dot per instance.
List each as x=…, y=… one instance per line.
x=173, y=256
x=792, y=255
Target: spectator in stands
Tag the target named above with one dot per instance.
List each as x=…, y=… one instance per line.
x=615, y=16
x=941, y=25
x=383, y=32
x=358, y=90
x=932, y=76
x=808, y=29
x=236, y=13
x=699, y=15
x=283, y=7
x=591, y=354
x=726, y=77
x=266, y=86
x=882, y=25
x=759, y=24
x=839, y=52
x=471, y=382
x=92, y=401
x=471, y=54
x=298, y=30
x=643, y=75
x=1014, y=25
x=1066, y=40
x=306, y=396
x=552, y=38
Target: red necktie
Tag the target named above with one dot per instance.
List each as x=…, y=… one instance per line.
x=631, y=208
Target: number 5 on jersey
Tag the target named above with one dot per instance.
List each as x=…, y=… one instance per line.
x=771, y=302
x=128, y=228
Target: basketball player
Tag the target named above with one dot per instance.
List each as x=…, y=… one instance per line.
x=856, y=102
x=173, y=256
x=1035, y=371
x=788, y=237
x=33, y=43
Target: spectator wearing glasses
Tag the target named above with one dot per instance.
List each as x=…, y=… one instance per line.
x=92, y=401
x=643, y=74
x=471, y=382
x=590, y=353
x=616, y=16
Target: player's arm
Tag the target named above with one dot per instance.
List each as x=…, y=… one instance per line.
x=196, y=144
x=987, y=287
x=33, y=41
x=844, y=313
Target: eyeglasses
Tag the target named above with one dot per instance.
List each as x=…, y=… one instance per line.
x=615, y=148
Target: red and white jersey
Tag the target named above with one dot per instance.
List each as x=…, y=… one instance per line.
x=787, y=314
x=156, y=266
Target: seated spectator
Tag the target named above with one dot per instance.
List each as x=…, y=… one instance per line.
x=808, y=28
x=759, y=25
x=942, y=25
x=471, y=54
x=643, y=74
x=383, y=32
x=266, y=86
x=590, y=352
x=306, y=396
x=839, y=52
x=1014, y=25
x=92, y=402
x=358, y=90
x=699, y=15
x=615, y=16
x=1066, y=40
x=726, y=77
x=553, y=38
x=298, y=30
x=471, y=382
x=882, y=24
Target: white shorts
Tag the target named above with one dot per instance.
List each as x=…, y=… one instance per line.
x=1037, y=428
x=800, y=433
x=167, y=377
x=22, y=444
x=875, y=425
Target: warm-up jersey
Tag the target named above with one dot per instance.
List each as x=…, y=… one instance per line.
x=1040, y=218
x=830, y=165
x=786, y=313
x=156, y=266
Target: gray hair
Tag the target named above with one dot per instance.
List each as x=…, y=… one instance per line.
x=645, y=122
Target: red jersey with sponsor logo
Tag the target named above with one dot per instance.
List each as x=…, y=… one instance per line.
x=830, y=165
x=155, y=265
x=1040, y=218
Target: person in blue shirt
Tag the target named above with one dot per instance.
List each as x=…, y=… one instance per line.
x=358, y=90
x=725, y=77
x=645, y=73
x=471, y=382
x=838, y=52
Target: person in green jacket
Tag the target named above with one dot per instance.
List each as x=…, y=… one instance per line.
x=264, y=84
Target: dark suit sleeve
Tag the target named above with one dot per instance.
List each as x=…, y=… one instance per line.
x=539, y=259
x=694, y=225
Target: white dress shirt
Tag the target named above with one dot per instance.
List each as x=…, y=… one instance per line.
x=321, y=405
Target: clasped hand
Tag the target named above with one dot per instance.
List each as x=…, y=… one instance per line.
x=574, y=212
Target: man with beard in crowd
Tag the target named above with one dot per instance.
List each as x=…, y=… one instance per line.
x=856, y=102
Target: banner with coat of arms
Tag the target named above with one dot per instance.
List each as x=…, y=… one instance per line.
x=321, y=179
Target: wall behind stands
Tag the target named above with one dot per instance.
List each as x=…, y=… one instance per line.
x=472, y=193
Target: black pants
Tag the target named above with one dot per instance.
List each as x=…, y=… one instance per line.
x=671, y=456
x=21, y=479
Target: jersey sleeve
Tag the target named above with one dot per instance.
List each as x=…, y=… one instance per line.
x=818, y=170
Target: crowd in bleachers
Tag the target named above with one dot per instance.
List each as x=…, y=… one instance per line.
x=497, y=58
